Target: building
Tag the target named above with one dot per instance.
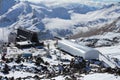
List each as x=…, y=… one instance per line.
x=24, y=35
x=77, y=50
x=12, y=37
x=26, y=39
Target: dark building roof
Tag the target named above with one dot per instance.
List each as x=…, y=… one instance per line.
x=23, y=35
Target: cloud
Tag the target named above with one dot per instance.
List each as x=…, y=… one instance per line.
x=107, y=0
x=73, y=1
x=51, y=3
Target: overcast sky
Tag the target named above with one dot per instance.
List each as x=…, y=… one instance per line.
x=82, y=0
x=107, y=0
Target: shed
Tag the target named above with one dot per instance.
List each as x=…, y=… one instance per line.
x=78, y=50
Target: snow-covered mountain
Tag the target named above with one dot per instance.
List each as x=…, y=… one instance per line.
x=111, y=26
x=107, y=35
x=56, y=18
x=106, y=39
x=5, y=5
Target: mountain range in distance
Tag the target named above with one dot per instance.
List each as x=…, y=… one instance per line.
x=60, y=18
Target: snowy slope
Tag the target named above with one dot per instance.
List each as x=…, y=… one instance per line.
x=112, y=26
x=96, y=76
x=103, y=76
x=106, y=39
x=5, y=5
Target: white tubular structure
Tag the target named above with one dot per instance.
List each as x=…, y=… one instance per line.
x=78, y=50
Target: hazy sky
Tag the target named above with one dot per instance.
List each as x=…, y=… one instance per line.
x=98, y=3
x=107, y=0
x=83, y=0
